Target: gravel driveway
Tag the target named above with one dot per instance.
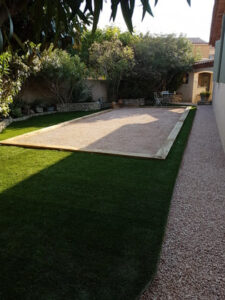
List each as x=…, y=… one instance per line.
x=192, y=264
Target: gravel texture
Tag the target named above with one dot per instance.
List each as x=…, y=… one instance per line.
x=192, y=264
x=126, y=130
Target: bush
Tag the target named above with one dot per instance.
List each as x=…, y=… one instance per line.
x=63, y=73
x=14, y=70
x=205, y=94
x=81, y=93
x=16, y=108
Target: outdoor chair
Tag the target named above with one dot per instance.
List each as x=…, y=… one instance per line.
x=158, y=98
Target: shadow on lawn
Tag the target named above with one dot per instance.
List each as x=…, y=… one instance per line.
x=88, y=227
x=84, y=228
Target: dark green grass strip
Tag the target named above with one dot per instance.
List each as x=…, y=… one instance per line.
x=82, y=226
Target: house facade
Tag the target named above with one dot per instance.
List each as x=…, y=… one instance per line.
x=201, y=78
x=217, y=39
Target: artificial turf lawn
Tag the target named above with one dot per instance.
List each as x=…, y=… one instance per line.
x=80, y=225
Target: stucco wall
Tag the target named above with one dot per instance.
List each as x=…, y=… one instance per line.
x=219, y=108
x=37, y=89
x=191, y=91
x=98, y=88
x=196, y=89
x=202, y=50
x=187, y=89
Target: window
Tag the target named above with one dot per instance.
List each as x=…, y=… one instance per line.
x=186, y=78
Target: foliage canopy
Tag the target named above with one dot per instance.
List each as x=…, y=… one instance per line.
x=111, y=59
x=48, y=21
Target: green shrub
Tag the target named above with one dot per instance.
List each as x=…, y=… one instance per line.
x=205, y=94
x=16, y=108
x=62, y=72
x=14, y=70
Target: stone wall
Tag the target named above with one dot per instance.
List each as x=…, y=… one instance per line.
x=83, y=106
x=134, y=102
x=7, y=122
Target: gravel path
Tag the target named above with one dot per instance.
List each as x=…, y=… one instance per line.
x=192, y=264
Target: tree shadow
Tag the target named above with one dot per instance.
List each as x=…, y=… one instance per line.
x=87, y=227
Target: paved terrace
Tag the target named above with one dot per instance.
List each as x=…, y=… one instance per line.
x=192, y=264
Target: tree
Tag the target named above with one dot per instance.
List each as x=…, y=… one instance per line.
x=160, y=62
x=111, y=59
x=62, y=72
x=109, y=33
x=14, y=70
x=43, y=20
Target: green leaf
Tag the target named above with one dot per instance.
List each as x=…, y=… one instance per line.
x=146, y=8
x=1, y=40
x=88, y=6
x=11, y=29
x=114, y=6
x=132, y=4
x=97, y=9
x=127, y=14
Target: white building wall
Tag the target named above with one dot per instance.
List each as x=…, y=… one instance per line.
x=219, y=109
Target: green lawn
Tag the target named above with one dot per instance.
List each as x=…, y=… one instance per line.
x=80, y=225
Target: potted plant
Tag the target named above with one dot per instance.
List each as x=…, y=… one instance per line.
x=114, y=105
x=120, y=103
x=204, y=96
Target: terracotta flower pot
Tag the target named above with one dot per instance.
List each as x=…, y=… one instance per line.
x=120, y=102
x=114, y=105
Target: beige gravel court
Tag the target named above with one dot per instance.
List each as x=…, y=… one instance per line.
x=127, y=131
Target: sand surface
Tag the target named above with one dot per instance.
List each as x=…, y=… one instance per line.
x=126, y=130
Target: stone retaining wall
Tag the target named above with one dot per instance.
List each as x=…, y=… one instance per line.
x=84, y=106
x=7, y=122
x=134, y=102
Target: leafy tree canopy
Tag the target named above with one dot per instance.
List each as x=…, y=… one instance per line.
x=111, y=59
x=109, y=33
x=160, y=62
x=53, y=21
